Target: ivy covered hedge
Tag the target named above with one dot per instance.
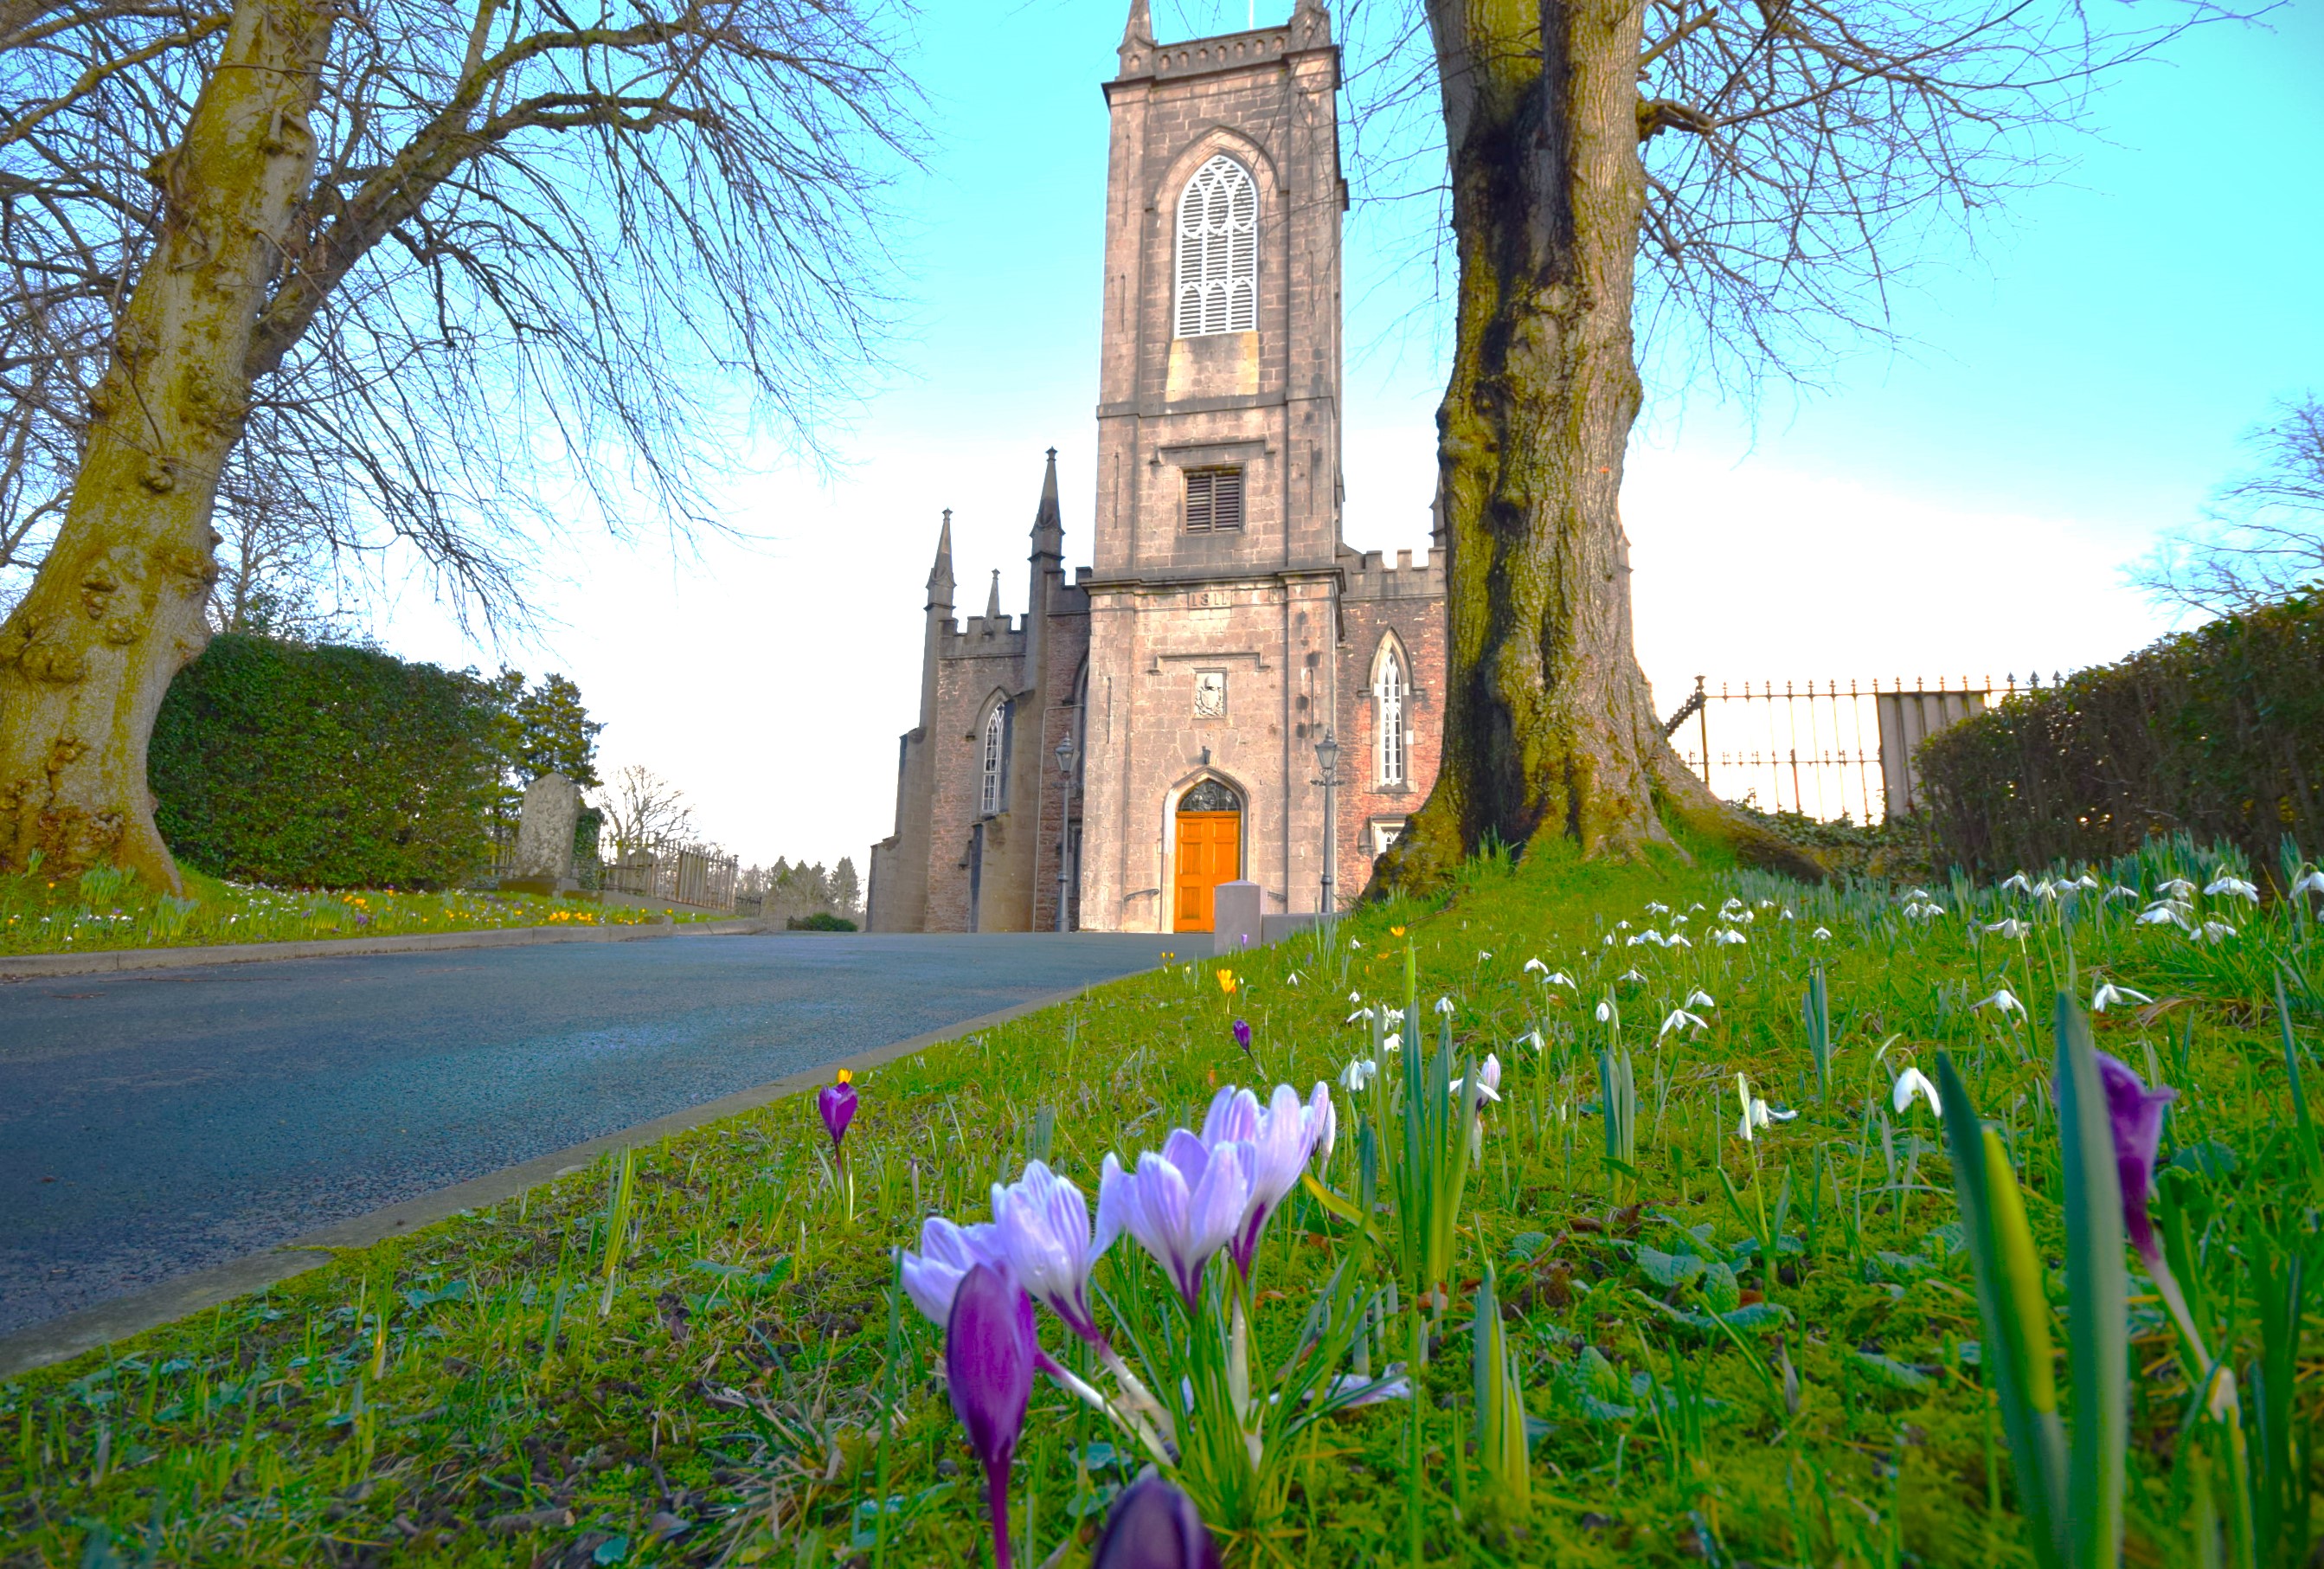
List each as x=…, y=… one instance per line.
x=2218, y=732
x=324, y=767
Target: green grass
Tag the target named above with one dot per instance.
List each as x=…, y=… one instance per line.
x=109, y=910
x=458, y=1396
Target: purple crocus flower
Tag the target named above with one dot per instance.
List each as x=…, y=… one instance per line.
x=1041, y=1225
x=2136, y=1114
x=835, y=1104
x=1242, y=1035
x=947, y=1251
x=1154, y=1525
x=989, y=1356
x=1182, y=1206
x=1280, y=1139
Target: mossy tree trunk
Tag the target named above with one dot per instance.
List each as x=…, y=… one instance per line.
x=1549, y=727
x=116, y=610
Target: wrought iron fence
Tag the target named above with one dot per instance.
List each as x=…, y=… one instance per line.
x=1829, y=750
x=700, y=875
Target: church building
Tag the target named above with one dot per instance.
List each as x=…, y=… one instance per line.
x=1162, y=721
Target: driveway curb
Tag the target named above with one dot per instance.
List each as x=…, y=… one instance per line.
x=34, y=966
x=63, y=1338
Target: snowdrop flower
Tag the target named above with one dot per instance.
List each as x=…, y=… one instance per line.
x=1445, y=1005
x=2215, y=931
x=2157, y=915
x=2119, y=892
x=2018, y=882
x=1926, y=910
x=1293, y=978
x=1696, y=906
x=2313, y=883
x=2108, y=993
x=1608, y=941
x=1680, y=919
x=1679, y=1018
x=1621, y=926
x=2010, y=926
x=2001, y=1001
x=2045, y=888
x=1767, y=904
x=1910, y=1082
x=1746, y=916
x=1648, y=936
x=2235, y=886
x=2087, y=882
x=1606, y=1011
x=1727, y=936
x=1699, y=999
x=1756, y=1114
x=1355, y=997
x=1482, y=956
x=1358, y=1076
x=1657, y=908
x=1354, y=943
x=1535, y=967
x=1679, y=942
x=1531, y=1038
x=1558, y=978
x=1914, y=895
x=1630, y=975
x=1787, y=914
x=1822, y=934
x=1362, y=1013
x=2177, y=888
x=1393, y=1018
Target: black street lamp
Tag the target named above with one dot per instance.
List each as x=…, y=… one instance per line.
x=1327, y=758
x=1064, y=812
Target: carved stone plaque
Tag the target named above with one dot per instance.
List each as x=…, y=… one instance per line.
x=1210, y=694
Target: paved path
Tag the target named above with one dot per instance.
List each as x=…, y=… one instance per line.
x=163, y=1121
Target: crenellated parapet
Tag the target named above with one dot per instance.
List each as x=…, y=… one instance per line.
x=1370, y=576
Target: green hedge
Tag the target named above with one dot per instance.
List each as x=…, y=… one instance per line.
x=324, y=767
x=2217, y=732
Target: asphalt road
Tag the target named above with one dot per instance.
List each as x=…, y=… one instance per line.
x=164, y=1121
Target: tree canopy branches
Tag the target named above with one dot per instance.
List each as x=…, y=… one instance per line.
x=548, y=258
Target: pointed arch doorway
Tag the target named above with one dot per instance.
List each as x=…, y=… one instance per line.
x=1209, y=834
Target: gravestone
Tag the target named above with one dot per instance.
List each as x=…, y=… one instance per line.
x=544, y=837
x=1234, y=915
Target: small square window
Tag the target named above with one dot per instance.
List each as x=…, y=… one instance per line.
x=1213, y=500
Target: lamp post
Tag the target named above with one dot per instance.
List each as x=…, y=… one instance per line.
x=1327, y=757
x=1065, y=818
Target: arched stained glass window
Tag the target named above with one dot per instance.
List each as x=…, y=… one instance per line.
x=1217, y=251
x=1388, y=695
x=995, y=760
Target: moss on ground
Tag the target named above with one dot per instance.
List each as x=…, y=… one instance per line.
x=486, y=1392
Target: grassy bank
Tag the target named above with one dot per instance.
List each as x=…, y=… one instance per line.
x=1760, y=1350
x=111, y=909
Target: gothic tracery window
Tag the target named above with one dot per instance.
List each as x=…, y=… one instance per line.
x=994, y=760
x=1217, y=251
x=1388, y=694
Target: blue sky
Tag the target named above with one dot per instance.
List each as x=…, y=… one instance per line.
x=1963, y=503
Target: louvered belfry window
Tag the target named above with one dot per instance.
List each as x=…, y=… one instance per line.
x=1217, y=251
x=1213, y=500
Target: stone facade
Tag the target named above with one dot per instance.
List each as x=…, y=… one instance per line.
x=1225, y=629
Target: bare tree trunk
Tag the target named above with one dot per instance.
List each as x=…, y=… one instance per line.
x=86, y=659
x=1549, y=729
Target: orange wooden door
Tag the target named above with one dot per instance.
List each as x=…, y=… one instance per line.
x=1210, y=851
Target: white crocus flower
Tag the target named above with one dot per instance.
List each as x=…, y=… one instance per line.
x=2235, y=886
x=1679, y=1018
x=1913, y=1082
x=1698, y=998
x=2108, y=993
x=1359, y=1075
x=2001, y=1001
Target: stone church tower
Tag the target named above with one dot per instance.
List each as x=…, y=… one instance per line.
x=1151, y=729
